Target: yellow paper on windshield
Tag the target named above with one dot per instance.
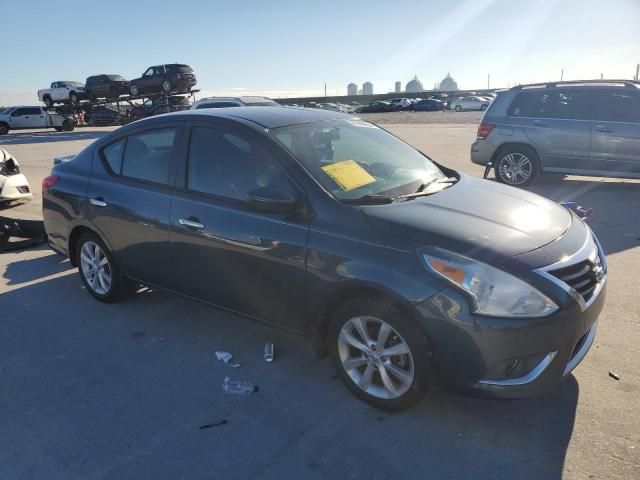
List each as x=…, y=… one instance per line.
x=348, y=174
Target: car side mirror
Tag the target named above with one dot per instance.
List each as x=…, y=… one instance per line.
x=272, y=200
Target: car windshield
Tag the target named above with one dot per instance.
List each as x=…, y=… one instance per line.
x=352, y=158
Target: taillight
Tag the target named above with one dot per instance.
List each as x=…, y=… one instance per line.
x=49, y=182
x=484, y=129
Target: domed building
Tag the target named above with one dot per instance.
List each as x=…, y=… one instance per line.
x=448, y=83
x=414, y=86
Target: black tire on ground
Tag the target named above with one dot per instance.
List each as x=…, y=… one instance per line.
x=4, y=129
x=507, y=157
x=59, y=129
x=409, y=330
x=120, y=285
x=48, y=101
x=134, y=90
x=68, y=126
x=458, y=108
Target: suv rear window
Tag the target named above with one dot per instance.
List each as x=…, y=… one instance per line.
x=179, y=68
x=560, y=103
x=619, y=106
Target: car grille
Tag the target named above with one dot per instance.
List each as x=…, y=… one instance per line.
x=583, y=276
x=23, y=189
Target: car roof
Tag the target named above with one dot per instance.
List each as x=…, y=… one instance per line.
x=268, y=117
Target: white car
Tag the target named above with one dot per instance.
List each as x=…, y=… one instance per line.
x=13, y=184
x=400, y=103
x=62, y=92
x=223, y=102
x=469, y=103
x=23, y=117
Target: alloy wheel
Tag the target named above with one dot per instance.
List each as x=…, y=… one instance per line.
x=515, y=168
x=376, y=357
x=95, y=268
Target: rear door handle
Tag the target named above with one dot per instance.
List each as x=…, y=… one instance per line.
x=602, y=128
x=98, y=202
x=195, y=224
x=539, y=123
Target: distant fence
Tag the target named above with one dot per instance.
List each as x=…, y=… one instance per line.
x=363, y=99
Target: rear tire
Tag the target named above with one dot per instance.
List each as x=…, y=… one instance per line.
x=458, y=108
x=73, y=97
x=48, y=101
x=68, y=126
x=395, y=381
x=517, y=166
x=98, y=270
x=4, y=129
x=58, y=129
x=166, y=86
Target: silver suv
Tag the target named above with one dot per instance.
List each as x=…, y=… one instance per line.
x=580, y=128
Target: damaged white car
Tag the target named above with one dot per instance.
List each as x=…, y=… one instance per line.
x=13, y=184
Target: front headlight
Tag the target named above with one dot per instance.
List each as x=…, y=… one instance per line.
x=493, y=292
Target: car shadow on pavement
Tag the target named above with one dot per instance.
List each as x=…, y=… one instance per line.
x=125, y=388
x=23, y=271
x=615, y=218
x=25, y=138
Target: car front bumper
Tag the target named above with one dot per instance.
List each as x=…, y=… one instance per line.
x=14, y=187
x=472, y=350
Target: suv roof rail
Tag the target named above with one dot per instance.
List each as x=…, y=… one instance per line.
x=625, y=82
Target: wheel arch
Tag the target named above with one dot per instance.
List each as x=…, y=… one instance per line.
x=319, y=327
x=75, y=234
x=507, y=145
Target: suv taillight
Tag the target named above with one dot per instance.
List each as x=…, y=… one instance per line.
x=484, y=129
x=49, y=182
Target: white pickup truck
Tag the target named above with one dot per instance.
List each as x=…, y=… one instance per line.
x=17, y=118
x=61, y=92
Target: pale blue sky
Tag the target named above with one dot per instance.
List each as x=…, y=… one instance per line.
x=281, y=47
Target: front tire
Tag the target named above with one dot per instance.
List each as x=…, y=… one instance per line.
x=458, y=108
x=99, y=272
x=48, y=102
x=380, y=354
x=166, y=86
x=4, y=129
x=517, y=166
x=73, y=97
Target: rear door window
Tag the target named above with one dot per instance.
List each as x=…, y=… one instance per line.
x=113, y=156
x=147, y=155
x=619, y=106
x=561, y=104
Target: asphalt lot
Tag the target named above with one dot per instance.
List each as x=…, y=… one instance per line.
x=93, y=391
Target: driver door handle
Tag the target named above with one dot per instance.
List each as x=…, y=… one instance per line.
x=186, y=222
x=98, y=202
x=540, y=123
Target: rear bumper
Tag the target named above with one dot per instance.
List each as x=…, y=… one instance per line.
x=482, y=151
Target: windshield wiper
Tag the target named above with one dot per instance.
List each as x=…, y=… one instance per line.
x=371, y=199
x=421, y=189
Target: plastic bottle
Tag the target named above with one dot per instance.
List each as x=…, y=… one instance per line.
x=239, y=388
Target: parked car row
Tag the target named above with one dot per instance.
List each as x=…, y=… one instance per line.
x=169, y=78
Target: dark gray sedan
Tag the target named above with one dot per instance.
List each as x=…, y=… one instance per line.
x=404, y=271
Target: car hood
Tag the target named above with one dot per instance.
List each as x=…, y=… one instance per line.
x=474, y=217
